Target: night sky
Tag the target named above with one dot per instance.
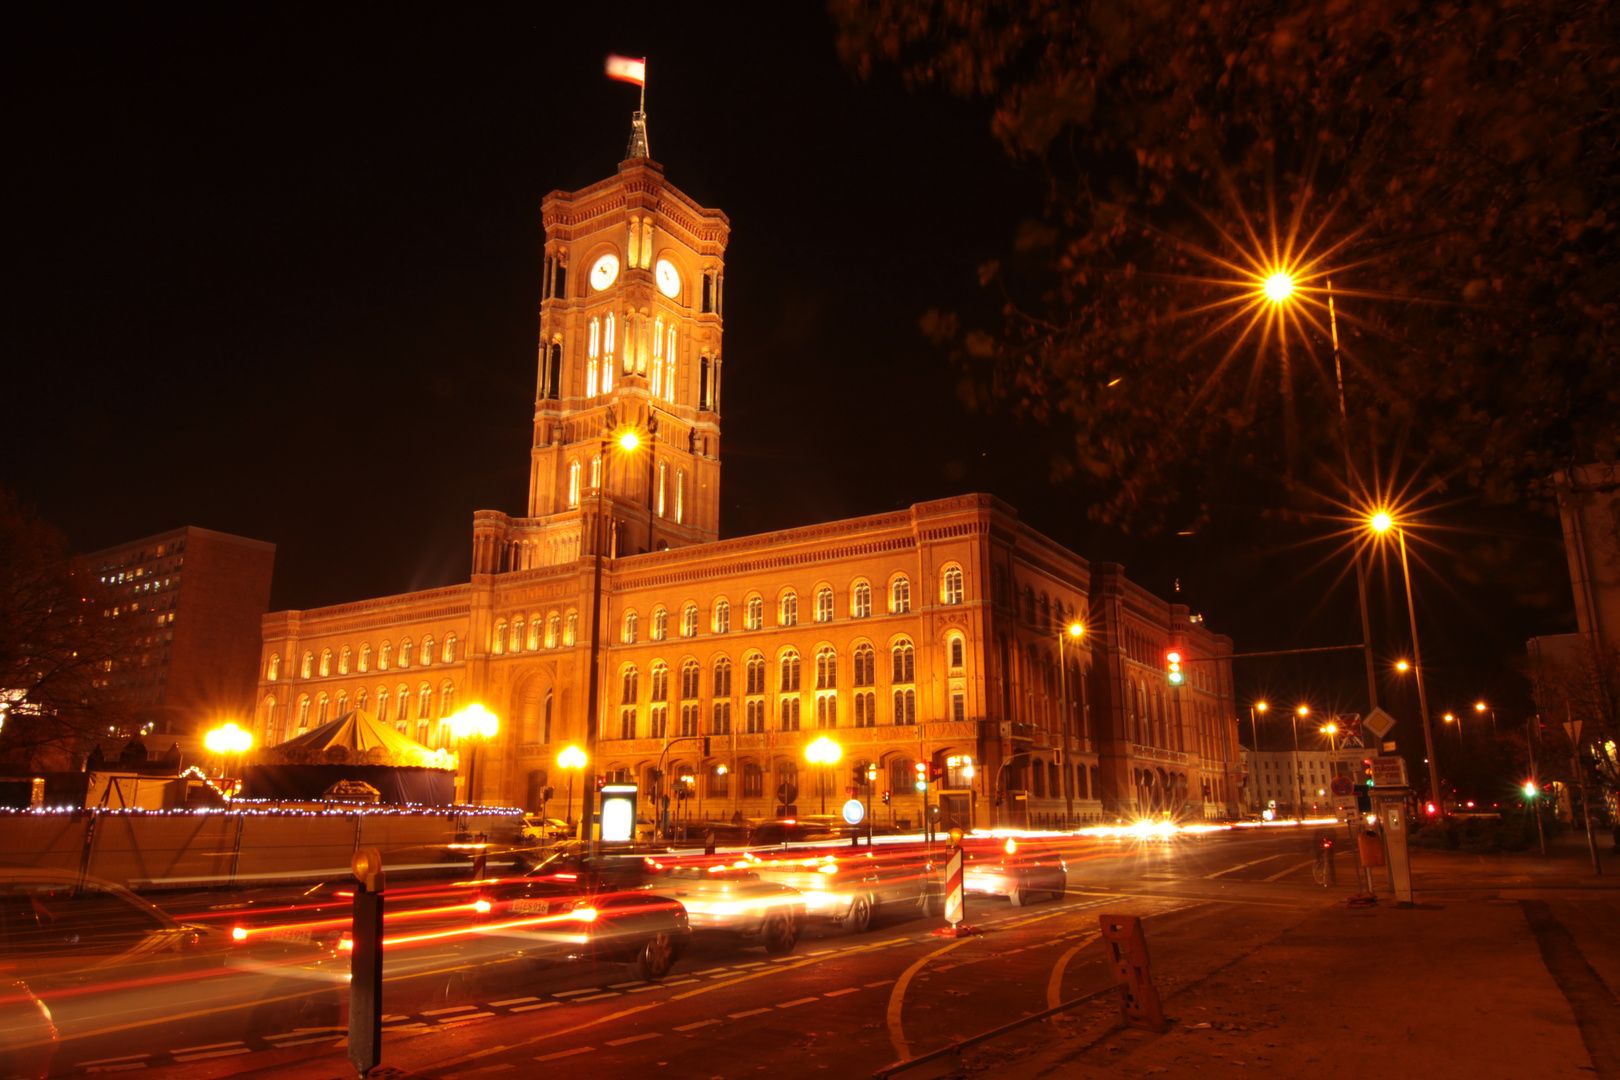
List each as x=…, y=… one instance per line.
x=276, y=272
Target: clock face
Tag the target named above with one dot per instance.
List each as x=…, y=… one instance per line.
x=669, y=278
x=605, y=272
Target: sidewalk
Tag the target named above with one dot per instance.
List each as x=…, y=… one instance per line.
x=1507, y=967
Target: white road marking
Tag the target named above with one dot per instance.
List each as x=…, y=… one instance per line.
x=541, y=1005
x=711, y=971
x=329, y=1038
x=650, y=986
x=469, y=1016
x=786, y=959
x=750, y=1012
x=599, y=997
x=571, y=993
x=214, y=1054
x=635, y=1038
x=800, y=1001
x=115, y=1068
x=451, y=1009
x=511, y=1001
x=116, y=1060
x=1243, y=866
x=210, y=1046
x=681, y=982
x=880, y=982
x=694, y=1027
x=621, y=986
x=753, y=963
x=565, y=1053
x=845, y=990
x=1290, y=870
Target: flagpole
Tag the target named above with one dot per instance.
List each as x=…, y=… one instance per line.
x=643, y=108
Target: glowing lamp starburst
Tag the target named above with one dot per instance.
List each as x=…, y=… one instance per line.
x=1279, y=286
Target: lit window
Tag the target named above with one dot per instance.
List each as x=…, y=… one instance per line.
x=788, y=609
x=274, y=671
x=951, y=586
x=343, y=661
x=629, y=686
x=722, y=678
x=754, y=674
x=571, y=628
x=905, y=666
x=905, y=706
x=553, y=630
x=500, y=638
x=755, y=618
x=365, y=658
x=573, y=483
x=662, y=472
x=722, y=617
x=660, y=624
x=629, y=637
x=824, y=604
x=790, y=671
x=790, y=714
x=691, y=676
x=689, y=620
x=680, y=496
x=515, y=642
x=450, y=649
x=660, y=681
x=900, y=595
x=307, y=667
x=865, y=709
x=865, y=665
x=860, y=600
x=957, y=651
x=447, y=700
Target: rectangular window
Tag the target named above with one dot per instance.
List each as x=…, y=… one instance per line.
x=627, y=723
x=719, y=783
x=827, y=711
x=790, y=714
x=660, y=721
x=756, y=716
x=865, y=710
x=905, y=706
x=753, y=784
x=722, y=718
x=958, y=707
x=689, y=720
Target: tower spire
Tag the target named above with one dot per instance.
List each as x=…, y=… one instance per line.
x=638, y=135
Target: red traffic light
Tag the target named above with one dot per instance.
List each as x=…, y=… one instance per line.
x=921, y=767
x=1172, y=667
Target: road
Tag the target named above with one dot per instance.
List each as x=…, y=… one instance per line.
x=840, y=1001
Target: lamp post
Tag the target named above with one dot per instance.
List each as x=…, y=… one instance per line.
x=473, y=724
x=1482, y=708
x=1381, y=522
x=823, y=752
x=1299, y=791
x=228, y=741
x=571, y=760
x=1254, y=732
x=1451, y=718
x=1075, y=630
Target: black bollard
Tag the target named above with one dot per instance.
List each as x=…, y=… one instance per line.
x=365, y=963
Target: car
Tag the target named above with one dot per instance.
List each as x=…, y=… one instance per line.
x=850, y=886
x=718, y=897
x=544, y=830
x=1016, y=867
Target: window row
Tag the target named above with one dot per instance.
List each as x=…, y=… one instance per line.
x=790, y=670
x=534, y=632
x=791, y=714
x=346, y=661
x=403, y=705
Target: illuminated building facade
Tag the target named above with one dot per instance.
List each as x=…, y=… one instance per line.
x=611, y=617
x=196, y=598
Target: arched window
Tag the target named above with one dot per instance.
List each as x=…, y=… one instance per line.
x=722, y=617
x=405, y=653
x=691, y=676
x=365, y=658
x=689, y=619
x=326, y=663
x=320, y=710
x=905, y=706
x=865, y=708
x=515, y=642
x=573, y=483
x=722, y=677
x=500, y=638
x=306, y=668
x=424, y=700
x=427, y=651
x=384, y=654
x=303, y=712
x=824, y=604
x=571, y=628
x=660, y=681
x=660, y=623
x=342, y=702
x=382, y=704
x=950, y=588
x=754, y=674
x=900, y=595
x=535, y=623
x=827, y=710
x=755, y=619
x=450, y=649
x=860, y=600
x=680, y=495
x=266, y=732
x=789, y=664
x=788, y=609
x=345, y=659
x=273, y=669
x=790, y=714
x=629, y=634
x=865, y=665
x=553, y=630
x=447, y=699
x=402, y=700
x=629, y=685
x=957, y=651
x=826, y=668
x=905, y=665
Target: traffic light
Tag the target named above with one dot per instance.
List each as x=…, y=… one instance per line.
x=922, y=775
x=860, y=775
x=885, y=798
x=601, y=781
x=1172, y=667
x=1530, y=789
x=936, y=772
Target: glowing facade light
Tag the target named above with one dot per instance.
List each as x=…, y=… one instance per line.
x=823, y=751
x=629, y=440
x=228, y=739
x=474, y=721
x=1076, y=630
x=571, y=758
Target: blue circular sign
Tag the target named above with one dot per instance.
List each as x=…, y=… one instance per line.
x=854, y=811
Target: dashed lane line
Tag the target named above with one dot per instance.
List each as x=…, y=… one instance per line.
x=1244, y=866
x=840, y=993
x=750, y=1012
x=799, y=1001
x=699, y=1024
x=537, y=1005
x=635, y=1038
x=565, y=1053
x=600, y=997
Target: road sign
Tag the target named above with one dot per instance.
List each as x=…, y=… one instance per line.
x=854, y=811
x=1378, y=722
x=1343, y=785
x=953, y=888
x=1389, y=771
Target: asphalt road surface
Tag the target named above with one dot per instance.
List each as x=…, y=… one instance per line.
x=849, y=1003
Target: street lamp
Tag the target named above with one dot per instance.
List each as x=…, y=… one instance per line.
x=228, y=740
x=1482, y=708
x=1330, y=730
x=477, y=724
x=572, y=759
x=823, y=752
x=1451, y=718
x=1381, y=522
x=1254, y=730
x=1075, y=630
x=1299, y=792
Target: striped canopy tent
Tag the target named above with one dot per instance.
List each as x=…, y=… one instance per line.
x=356, y=738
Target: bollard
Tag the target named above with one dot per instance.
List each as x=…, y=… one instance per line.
x=365, y=963
x=1128, y=959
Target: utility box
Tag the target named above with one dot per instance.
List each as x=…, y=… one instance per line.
x=1390, y=805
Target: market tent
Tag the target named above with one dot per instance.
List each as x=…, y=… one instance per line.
x=359, y=738
x=354, y=747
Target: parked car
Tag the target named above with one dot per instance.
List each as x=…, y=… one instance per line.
x=541, y=830
x=1015, y=867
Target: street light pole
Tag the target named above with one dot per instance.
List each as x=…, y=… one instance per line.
x=1349, y=474
x=1254, y=731
x=1417, y=672
x=1299, y=794
x=1074, y=630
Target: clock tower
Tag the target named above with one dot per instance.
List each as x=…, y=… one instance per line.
x=627, y=400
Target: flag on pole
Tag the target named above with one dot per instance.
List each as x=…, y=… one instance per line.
x=627, y=70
